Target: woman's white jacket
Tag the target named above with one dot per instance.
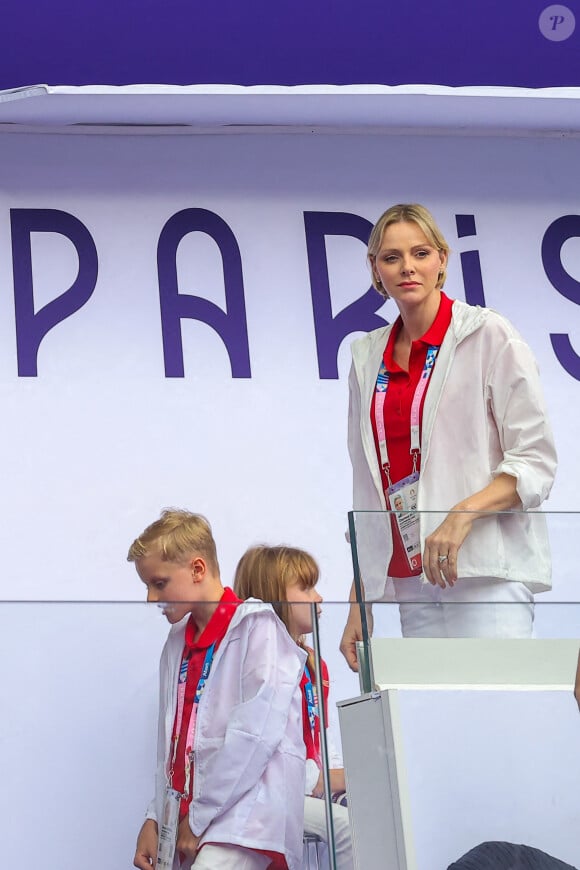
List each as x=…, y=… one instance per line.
x=249, y=754
x=484, y=414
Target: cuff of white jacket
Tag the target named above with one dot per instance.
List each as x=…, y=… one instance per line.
x=531, y=489
x=312, y=775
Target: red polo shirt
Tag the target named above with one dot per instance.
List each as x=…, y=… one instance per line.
x=397, y=414
x=195, y=651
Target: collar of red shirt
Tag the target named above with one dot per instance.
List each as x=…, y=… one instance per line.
x=433, y=337
x=216, y=627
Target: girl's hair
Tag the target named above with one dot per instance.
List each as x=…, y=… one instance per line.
x=265, y=572
x=176, y=536
x=409, y=213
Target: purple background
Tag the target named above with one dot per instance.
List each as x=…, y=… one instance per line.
x=76, y=42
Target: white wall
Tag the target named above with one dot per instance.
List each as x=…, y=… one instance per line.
x=100, y=441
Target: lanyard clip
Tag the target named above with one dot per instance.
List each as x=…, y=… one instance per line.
x=415, y=454
x=387, y=471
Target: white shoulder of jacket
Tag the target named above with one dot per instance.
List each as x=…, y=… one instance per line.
x=251, y=610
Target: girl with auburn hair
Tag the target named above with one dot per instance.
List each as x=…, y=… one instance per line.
x=286, y=577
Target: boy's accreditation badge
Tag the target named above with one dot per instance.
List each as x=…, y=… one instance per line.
x=402, y=499
x=168, y=830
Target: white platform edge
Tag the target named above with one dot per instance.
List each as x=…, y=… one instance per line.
x=475, y=664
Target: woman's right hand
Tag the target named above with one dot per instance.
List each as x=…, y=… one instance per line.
x=146, y=849
x=353, y=633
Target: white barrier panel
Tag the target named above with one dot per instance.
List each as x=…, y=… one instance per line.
x=433, y=773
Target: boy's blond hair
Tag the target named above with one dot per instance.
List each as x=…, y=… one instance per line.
x=176, y=536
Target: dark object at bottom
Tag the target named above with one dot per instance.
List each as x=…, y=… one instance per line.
x=507, y=856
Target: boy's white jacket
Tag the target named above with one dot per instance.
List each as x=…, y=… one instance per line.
x=484, y=414
x=249, y=754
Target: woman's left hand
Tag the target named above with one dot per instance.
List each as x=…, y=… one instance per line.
x=442, y=546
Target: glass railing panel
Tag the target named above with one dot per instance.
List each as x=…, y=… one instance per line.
x=508, y=551
x=488, y=761
x=79, y=727
x=78, y=731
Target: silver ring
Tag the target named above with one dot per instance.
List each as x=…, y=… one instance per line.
x=442, y=559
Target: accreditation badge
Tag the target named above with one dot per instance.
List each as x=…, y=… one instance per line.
x=168, y=830
x=402, y=498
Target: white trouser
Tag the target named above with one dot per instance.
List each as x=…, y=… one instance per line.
x=213, y=857
x=473, y=607
x=315, y=823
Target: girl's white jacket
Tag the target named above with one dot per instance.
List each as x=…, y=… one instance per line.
x=249, y=755
x=483, y=414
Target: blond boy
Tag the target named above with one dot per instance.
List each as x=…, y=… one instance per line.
x=230, y=755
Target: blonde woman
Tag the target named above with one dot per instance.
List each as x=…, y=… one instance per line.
x=446, y=416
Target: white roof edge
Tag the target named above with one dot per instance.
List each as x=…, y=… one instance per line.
x=569, y=93
x=415, y=107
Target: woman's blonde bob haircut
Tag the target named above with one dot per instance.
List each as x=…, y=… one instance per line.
x=410, y=213
x=265, y=572
x=177, y=536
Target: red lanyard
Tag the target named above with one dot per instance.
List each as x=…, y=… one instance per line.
x=181, y=686
x=313, y=715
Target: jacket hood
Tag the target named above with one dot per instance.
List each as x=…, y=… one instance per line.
x=466, y=319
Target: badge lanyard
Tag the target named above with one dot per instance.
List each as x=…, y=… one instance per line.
x=181, y=686
x=380, y=396
x=169, y=824
x=313, y=717
x=401, y=496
